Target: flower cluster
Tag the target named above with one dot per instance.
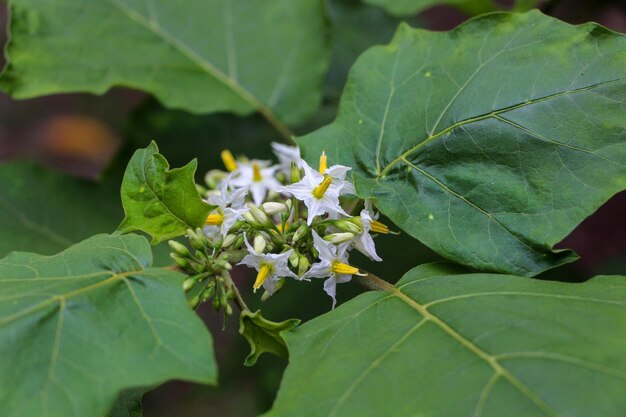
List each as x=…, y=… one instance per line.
x=285, y=220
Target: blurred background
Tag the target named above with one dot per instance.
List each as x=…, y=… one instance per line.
x=91, y=138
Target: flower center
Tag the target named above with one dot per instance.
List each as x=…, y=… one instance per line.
x=320, y=190
x=379, y=227
x=214, y=219
x=323, y=162
x=256, y=172
x=228, y=160
x=264, y=272
x=344, y=269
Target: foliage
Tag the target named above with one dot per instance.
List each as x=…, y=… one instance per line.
x=488, y=143
x=483, y=172
x=80, y=326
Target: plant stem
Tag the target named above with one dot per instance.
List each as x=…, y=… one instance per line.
x=372, y=282
x=241, y=304
x=277, y=124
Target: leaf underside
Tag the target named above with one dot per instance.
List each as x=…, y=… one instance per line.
x=160, y=201
x=79, y=327
x=443, y=343
x=491, y=142
x=202, y=56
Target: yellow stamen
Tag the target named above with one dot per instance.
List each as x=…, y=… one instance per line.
x=378, y=227
x=323, y=162
x=264, y=272
x=320, y=190
x=344, y=269
x=279, y=226
x=256, y=172
x=229, y=160
x=214, y=219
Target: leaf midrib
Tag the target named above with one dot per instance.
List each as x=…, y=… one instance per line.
x=498, y=369
x=494, y=114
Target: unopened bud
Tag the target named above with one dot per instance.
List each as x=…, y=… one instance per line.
x=223, y=264
x=302, y=230
x=247, y=216
x=348, y=226
x=293, y=258
x=259, y=216
x=182, y=262
x=303, y=265
x=273, y=208
x=295, y=173
x=188, y=284
x=229, y=240
x=338, y=238
x=178, y=248
x=259, y=244
x=213, y=178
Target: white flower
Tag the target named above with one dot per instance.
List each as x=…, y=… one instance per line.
x=286, y=155
x=257, y=177
x=320, y=193
x=333, y=264
x=230, y=207
x=271, y=267
x=364, y=243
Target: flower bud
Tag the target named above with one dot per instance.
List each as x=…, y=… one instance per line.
x=259, y=216
x=303, y=265
x=295, y=173
x=273, y=208
x=188, y=284
x=197, y=242
x=348, y=226
x=259, y=244
x=222, y=264
x=302, y=230
x=229, y=240
x=181, y=262
x=247, y=216
x=338, y=238
x=293, y=259
x=178, y=248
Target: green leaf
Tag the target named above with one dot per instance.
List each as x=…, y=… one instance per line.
x=198, y=55
x=264, y=335
x=446, y=344
x=160, y=201
x=79, y=327
x=489, y=143
x=45, y=211
x=128, y=404
x=412, y=7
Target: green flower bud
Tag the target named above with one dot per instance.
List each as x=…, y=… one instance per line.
x=188, y=284
x=348, y=226
x=181, y=262
x=247, y=216
x=338, y=238
x=229, y=240
x=293, y=258
x=259, y=216
x=295, y=173
x=178, y=248
x=222, y=264
x=303, y=265
x=302, y=230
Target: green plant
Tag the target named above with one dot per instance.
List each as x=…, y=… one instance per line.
x=489, y=144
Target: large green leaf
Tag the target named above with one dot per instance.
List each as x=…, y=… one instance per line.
x=446, y=344
x=45, y=211
x=79, y=327
x=489, y=143
x=160, y=201
x=198, y=55
x=412, y=7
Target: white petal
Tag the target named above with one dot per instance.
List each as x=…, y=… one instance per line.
x=251, y=260
x=337, y=171
x=365, y=244
x=258, y=192
x=318, y=270
x=327, y=251
x=330, y=287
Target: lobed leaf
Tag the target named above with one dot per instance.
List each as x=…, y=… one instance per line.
x=79, y=327
x=198, y=55
x=444, y=343
x=491, y=142
x=263, y=335
x=412, y=7
x=160, y=201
